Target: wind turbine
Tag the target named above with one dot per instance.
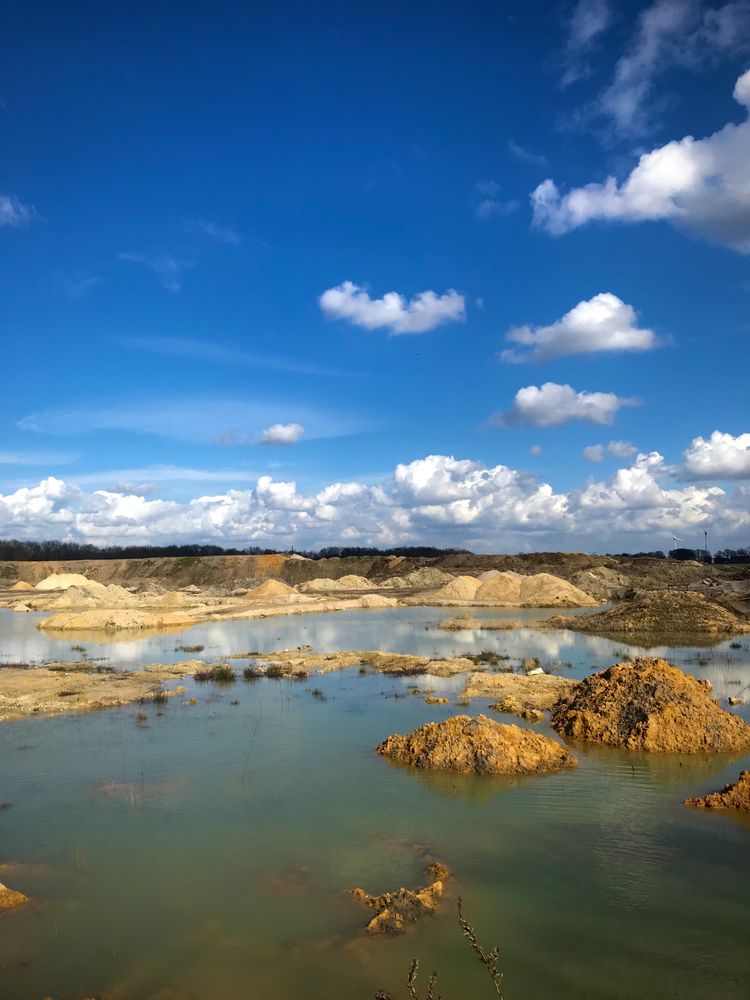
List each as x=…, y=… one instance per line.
x=675, y=540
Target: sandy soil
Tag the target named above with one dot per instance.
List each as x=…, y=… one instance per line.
x=61, y=688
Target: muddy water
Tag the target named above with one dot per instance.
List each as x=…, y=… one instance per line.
x=204, y=851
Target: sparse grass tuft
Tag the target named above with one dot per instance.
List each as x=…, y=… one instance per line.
x=252, y=673
x=189, y=649
x=222, y=673
x=319, y=694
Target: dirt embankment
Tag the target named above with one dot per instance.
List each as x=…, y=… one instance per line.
x=648, y=704
x=603, y=577
x=661, y=612
x=477, y=746
x=732, y=796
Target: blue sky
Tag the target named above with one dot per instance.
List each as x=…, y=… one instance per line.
x=203, y=206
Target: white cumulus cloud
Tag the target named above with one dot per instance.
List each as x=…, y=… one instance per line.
x=551, y=405
x=424, y=312
x=702, y=185
x=282, y=434
x=602, y=323
x=594, y=453
x=621, y=449
x=438, y=499
x=721, y=456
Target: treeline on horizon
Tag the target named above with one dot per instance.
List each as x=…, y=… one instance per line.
x=16, y=550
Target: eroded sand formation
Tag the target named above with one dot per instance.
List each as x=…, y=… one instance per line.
x=394, y=911
x=648, y=704
x=732, y=796
x=477, y=746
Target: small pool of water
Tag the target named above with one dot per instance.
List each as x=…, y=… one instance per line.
x=206, y=850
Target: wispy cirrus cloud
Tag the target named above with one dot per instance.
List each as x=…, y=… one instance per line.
x=490, y=204
x=14, y=213
x=552, y=405
x=589, y=20
x=214, y=231
x=669, y=33
x=166, y=266
x=37, y=457
x=222, y=354
x=202, y=419
x=524, y=155
x=424, y=312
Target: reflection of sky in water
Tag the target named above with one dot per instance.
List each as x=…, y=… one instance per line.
x=403, y=630
x=265, y=804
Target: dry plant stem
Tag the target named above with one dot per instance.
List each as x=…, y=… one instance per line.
x=488, y=959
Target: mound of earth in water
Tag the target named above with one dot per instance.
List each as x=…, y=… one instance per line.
x=661, y=611
x=533, y=691
x=648, y=704
x=736, y=796
x=349, y=582
x=540, y=590
x=460, y=588
x=394, y=910
x=9, y=898
x=477, y=746
x=114, y=621
x=377, y=601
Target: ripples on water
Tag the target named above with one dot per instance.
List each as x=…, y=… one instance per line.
x=207, y=849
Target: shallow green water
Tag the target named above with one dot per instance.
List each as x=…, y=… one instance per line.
x=206, y=852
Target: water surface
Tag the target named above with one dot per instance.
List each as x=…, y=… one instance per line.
x=205, y=851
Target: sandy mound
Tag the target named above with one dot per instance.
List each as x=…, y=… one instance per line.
x=93, y=595
x=61, y=581
x=19, y=606
x=663, y=611
x=21, y=585
x=503, y=588
x=404, y=906
x=9, y=898
x=477, y=746
x=377, y=601
x=461, y=588
x=736, y=796
x=349, y=582
x=191, y=589
x=541, y=590
x=113, y=621
x=271, y=590
x=426, y=578
x=648, y=704
x=490, y=574
x=172, y=599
